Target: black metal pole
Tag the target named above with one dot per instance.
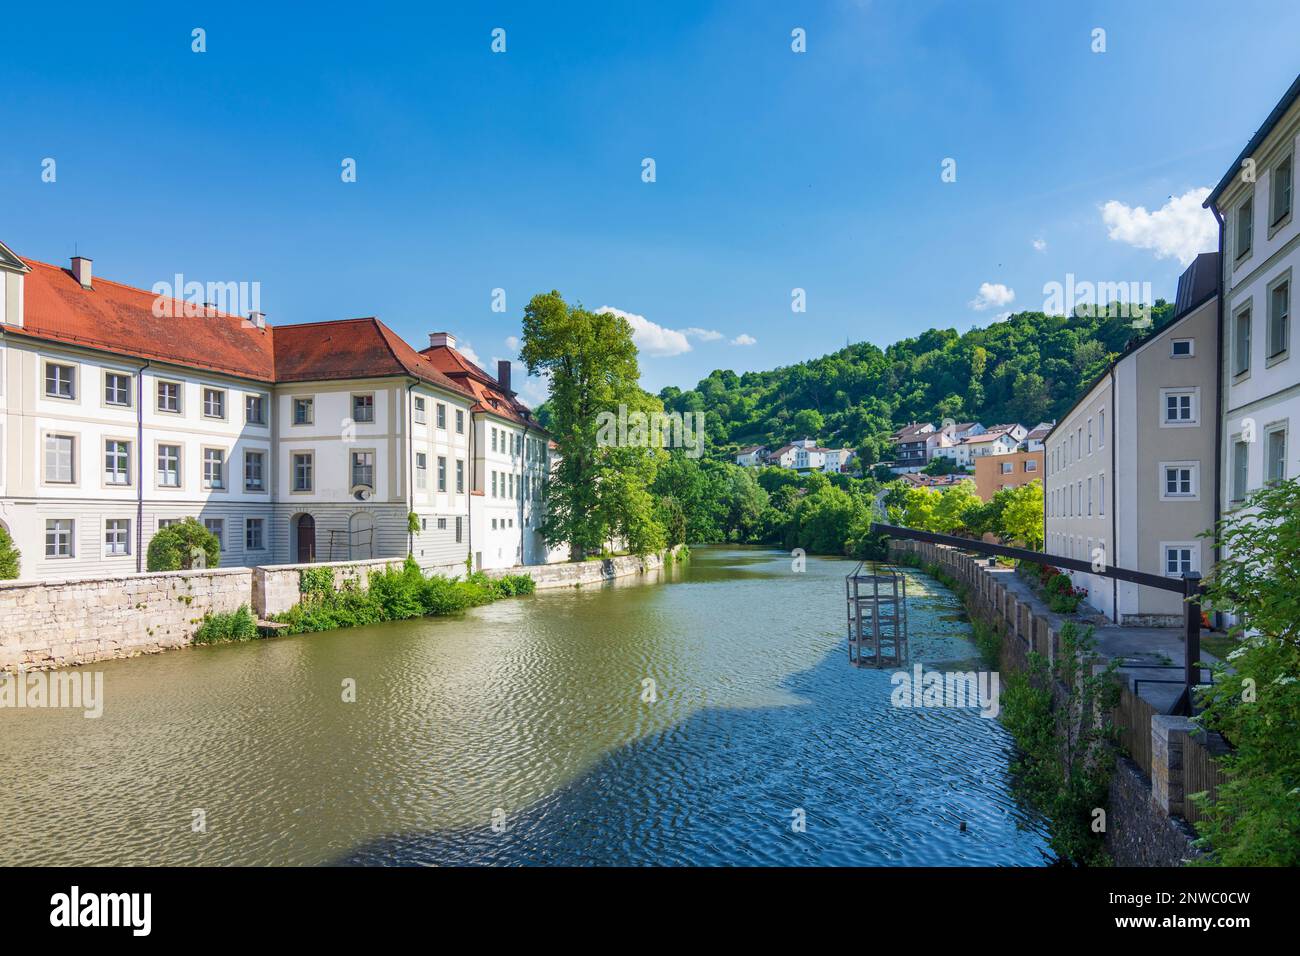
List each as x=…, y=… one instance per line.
x=1192, y=642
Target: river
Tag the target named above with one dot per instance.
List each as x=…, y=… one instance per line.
x=525, y=732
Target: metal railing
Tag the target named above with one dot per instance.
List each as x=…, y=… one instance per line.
x=1188, y=585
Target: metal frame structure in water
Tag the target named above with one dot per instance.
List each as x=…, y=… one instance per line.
x=875, y=597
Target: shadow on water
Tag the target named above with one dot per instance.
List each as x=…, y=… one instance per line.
x=876, y=785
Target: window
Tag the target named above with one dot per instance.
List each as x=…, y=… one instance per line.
x=363, y=408
x=1280, y=191
x=512, y=486
x=214, y=403
x=117, y=389
x=494, y=524
x=214, y=468
x=421, y=470
x=494, y=439
x=1031, y=464
x=254, y=410
x=363, y=468
x=1240, y=468
x=442, y=524
x=1178, y=559
x=419, y=410
x=442, y=473
x=1245, y=226
x=117, y=536
x=494, y=484
x=169, y=466
x=442, y=416
x=1101, y=494
x=1090, y=436
x=254, y=471
x=59, y=458
x=117, y=462
x=58, y=538
x=460, y=426
x=255, y=534
x=1179, y=406
x=1275, y=456
x=1090, y=496
x=460, y=476
x=1006, y=467
x=1101, y=429
x=1182, y=348
x=1179, y=480
x=302, y=411
x=169, y=397
x=458, y=529
x=1279, y=319
x=1241, y=342
x=168, y=522
x=60, y=381
x=302, y=469
x=217, y=526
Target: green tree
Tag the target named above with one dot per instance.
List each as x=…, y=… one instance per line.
x=183, y=545
x=598, y=491
x=1255, y=699
x=1019, y=515
x=10, y=556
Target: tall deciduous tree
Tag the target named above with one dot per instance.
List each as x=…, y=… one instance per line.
x=598, y=492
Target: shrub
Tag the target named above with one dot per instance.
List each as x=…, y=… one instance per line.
x=9, y=557
x=176, y=547
x=220, y=628
x=315, y=582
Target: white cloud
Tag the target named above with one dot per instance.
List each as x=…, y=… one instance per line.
x=1180, y=228
x=1040, y=245
x=467, y=350
x=650, y=338
x=512, y=343
x=704, y=335
x=992, y=294
x=743, y=339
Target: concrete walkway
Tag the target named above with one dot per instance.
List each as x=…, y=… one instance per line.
x=1147, y=652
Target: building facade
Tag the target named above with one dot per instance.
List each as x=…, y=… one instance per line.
x=995, y=472
x=1260, y=239
x=292, y=444
x=1130, y=467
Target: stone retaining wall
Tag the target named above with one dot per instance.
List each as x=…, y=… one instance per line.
x=570, y=574
x=80, y=620
x=1145, y=827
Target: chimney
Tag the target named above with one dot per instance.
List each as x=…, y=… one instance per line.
x=257, y=319
x=442, y=339
x=81, y=270
x=503, y=374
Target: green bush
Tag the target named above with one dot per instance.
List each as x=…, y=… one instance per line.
x=9, y=557
x=173, y=548
x=315, y=582
x=221, y=628
x=396, y=594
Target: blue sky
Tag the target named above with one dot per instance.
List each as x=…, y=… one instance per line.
x=523, y=170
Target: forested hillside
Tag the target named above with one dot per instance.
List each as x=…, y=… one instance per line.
x=1027, y=368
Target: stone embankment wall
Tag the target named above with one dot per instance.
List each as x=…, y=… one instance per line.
x=1146, y=827
x=81, y=620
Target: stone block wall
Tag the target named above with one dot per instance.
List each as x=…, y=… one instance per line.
x=80, y=620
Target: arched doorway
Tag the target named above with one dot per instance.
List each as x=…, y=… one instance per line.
x=361, y=535
x=304, y=539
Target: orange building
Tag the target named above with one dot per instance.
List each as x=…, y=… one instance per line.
x=995, y=472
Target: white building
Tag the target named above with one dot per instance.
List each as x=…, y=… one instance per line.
x=120, y=413
x=751, y=456
x=1260, y=243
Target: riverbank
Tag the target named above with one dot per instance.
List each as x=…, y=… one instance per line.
x=63, y=623
x=1146, y=824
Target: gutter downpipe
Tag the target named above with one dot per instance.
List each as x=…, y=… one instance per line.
x=1114, y=482
x=1220, y=376
x=139, y=468
x=410, y=481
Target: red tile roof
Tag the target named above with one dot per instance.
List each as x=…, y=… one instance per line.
x=121, y=319
x=487, y=391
